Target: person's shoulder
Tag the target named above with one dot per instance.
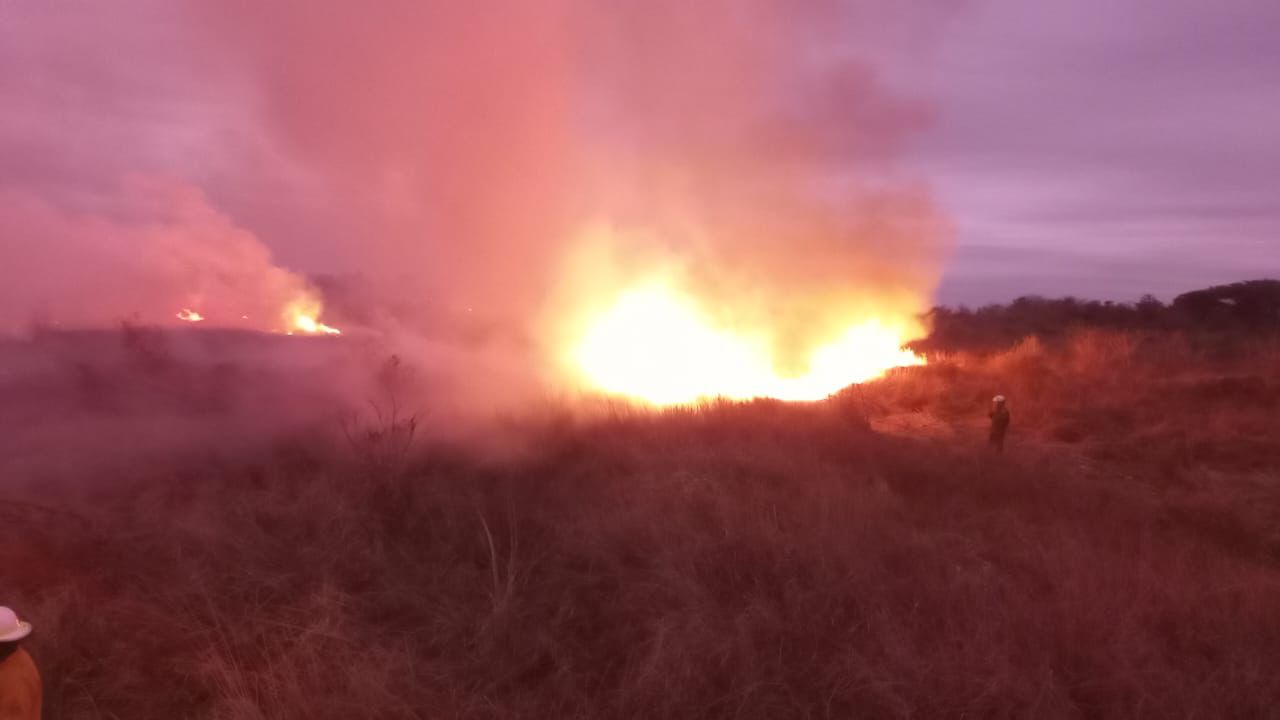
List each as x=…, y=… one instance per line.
x=20, y=662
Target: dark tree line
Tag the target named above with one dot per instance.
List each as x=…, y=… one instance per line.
x=1245, y=308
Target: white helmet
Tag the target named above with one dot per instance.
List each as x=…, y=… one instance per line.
x=997, y=399
x=11, y=628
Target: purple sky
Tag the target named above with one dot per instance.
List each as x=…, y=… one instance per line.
x=1107, y=148
x=1100, y=148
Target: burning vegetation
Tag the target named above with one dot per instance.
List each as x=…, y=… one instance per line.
x=303, y=316
x=300, y=316
x=657, y=345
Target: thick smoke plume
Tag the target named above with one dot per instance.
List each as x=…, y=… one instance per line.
x=475, y=176
x=160, y=250
x=506, y=165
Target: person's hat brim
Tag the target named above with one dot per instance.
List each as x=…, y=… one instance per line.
x=23, y=630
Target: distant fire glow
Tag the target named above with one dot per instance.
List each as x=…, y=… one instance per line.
x=311, y=326
x=299, y=317
x=657, y=346
x=302, y=316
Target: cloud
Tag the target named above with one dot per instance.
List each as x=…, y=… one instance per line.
x=1113, y=130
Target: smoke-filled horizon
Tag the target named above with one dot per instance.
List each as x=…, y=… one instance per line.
x=464, y=161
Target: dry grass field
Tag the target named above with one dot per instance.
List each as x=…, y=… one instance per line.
x=863, y=557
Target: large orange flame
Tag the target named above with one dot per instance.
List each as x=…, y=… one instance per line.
x=655, y=345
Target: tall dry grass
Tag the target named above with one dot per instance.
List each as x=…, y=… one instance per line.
x=756, y=560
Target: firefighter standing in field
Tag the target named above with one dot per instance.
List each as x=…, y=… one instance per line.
x=20, y=687
x=999, y=415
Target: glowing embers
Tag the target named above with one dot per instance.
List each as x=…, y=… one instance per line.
x=656, y=345
x=189, y=315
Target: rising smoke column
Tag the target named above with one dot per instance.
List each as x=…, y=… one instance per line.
x=445, y=135
x=757, y=147
x=473, y=149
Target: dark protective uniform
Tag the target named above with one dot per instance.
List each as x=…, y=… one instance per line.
x=999, y=426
